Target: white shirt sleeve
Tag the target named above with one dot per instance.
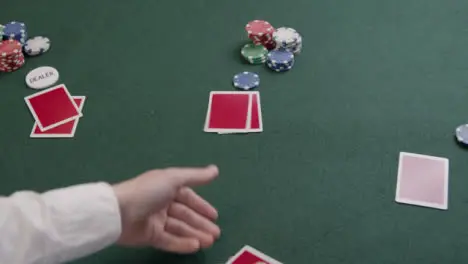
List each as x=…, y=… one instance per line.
x=59, y=225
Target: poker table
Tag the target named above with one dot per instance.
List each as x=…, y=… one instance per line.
x=318, y=184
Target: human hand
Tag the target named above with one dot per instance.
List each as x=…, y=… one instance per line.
x=159, y=209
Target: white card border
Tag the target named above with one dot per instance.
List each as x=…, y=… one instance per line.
x=229, y=131
x=245, y=248
x=444, y=205
x=31, y=109
x=260, y=118
x=69, y=135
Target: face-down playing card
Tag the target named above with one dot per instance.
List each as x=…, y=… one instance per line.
x=66, y=130
x=234, y=112
x=422, y=180
x=250, y=255
x=52, y=107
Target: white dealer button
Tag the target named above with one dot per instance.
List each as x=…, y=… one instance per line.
x=42, y=77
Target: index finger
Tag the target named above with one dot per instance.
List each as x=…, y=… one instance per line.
x=188, y=197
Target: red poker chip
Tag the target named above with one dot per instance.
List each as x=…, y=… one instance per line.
x=270, y=46
x=259, y=28
x=12, y=66
x=264, y=38
x=10, y=48
x=13, y=61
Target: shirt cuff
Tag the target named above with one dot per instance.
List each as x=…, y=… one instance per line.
x=78, y=221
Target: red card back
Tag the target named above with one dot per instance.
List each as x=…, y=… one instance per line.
x=66, y=128
x=248, y=258
x=229, y=111
x=52, y=107
x=255, y=122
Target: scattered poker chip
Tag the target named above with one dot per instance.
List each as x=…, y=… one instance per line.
x=42, y=77
x=461, y=134
x=246, y=80
x=255, y=54
x=36, y=46
x=15, y=30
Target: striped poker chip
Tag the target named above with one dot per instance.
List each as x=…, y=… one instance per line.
x=255, y=54
x=461, y=134
x=11, y=57
x=259, y=28
x=280, y=68
x=289, y=39
x=36, y=46
x=15, y=30
x=261, y=33
x=280, y=60
x=9, y=48
x=280, y=56
x=246, y=80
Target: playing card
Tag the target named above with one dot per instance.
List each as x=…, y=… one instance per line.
x=66, y=130
x=228, y=112
x=256, y=123
x=52, y=107
x=234, y=112
x=249, y=255
x=422, y=180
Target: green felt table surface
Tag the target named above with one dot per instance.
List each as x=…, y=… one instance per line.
x=318, y=185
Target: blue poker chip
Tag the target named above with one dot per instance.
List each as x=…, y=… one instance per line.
x=280, y=56
x=246, y=80
x=461, y=134
x=291, y=63
x=280, y=67
x=15, y=30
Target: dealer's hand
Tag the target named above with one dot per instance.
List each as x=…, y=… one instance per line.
x=158, y=208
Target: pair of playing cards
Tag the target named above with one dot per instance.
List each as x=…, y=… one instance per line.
x=55, y=111
x=249, y=255
x=234, y=112
x=423, y=180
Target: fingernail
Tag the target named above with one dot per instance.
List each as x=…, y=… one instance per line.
x=213, y=167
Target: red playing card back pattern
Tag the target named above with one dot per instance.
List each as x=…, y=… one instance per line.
x=66, y=128
x=254, y=121
x=248, y=258
x=53, y=107
x=229, y=111
x=423, y=179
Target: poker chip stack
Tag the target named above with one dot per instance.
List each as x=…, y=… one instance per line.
x=11, y=56
x=288, y=39
x=254, y=54
x=2, y=27
x=280, y=60
x=261, y=33
x=15, y=30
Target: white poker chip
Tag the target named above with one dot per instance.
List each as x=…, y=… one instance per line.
x=42, y=77
x=36, y=46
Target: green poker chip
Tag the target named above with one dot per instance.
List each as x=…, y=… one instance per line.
x=255, y=53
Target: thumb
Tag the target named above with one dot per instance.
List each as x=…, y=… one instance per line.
x=193, y=176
